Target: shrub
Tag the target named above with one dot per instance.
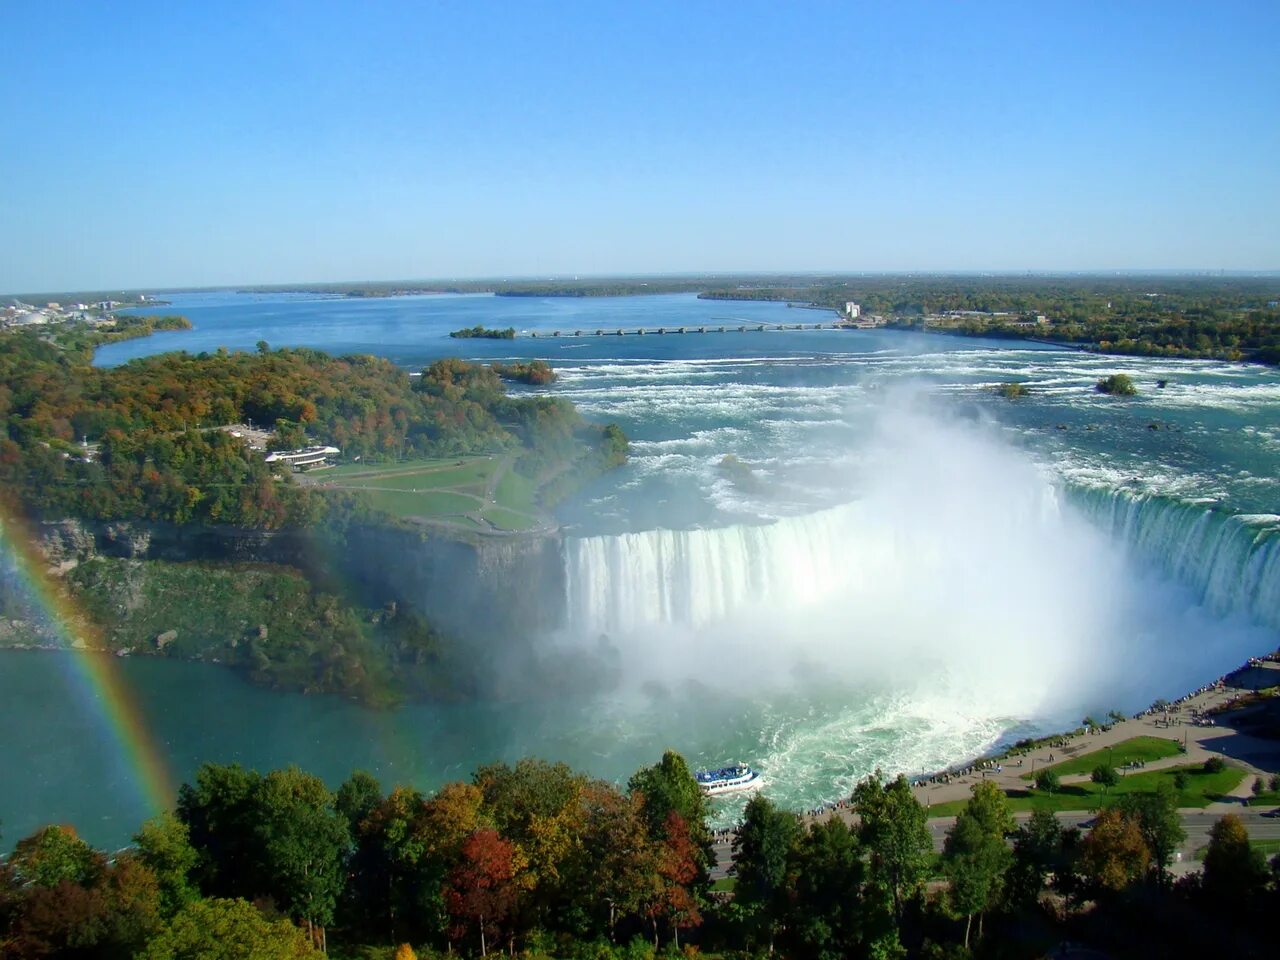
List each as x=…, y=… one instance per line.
x=1117, y=385
x=1215, y=765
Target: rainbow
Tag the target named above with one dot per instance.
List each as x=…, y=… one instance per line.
x=95, y=675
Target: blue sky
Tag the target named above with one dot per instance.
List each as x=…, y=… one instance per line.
x=198, y=144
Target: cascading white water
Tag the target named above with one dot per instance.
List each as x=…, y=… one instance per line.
x=1231, y=561
x=696, y=577
x=699, y=576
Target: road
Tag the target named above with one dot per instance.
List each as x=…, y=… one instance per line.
x=1197, y=823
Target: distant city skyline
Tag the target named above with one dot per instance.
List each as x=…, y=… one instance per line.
x=152, y=146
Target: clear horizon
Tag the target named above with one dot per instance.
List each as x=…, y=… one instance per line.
x=148, y=147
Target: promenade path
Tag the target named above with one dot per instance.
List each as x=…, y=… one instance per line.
x=1258, y=757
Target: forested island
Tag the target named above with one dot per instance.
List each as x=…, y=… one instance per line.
x=484, y=333
x=538, y=860
x=142, y=488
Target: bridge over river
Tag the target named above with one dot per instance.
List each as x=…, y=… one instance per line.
x=735, y=326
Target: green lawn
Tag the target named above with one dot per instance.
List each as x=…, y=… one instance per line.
x=447, y=489
x=508, y=520
x=1141, y=749
x=434, y=503
x=1201, y=790
x=516, y=492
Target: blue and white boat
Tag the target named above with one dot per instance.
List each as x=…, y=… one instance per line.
x=728, y=779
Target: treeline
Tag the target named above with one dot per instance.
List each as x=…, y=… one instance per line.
x=152, y=451
x=539, y=860
x=80, y=338
x=1208, y=317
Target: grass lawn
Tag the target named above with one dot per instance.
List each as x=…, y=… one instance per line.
x=507, y=519
x=1142, y=749
x=516, y=492
x=444, y=489
x=1201, y=790
x=436, y=503
x=725, y=885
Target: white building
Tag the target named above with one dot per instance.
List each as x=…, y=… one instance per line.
x=852, y=310
x=304, y=458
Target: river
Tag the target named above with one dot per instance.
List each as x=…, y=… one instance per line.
x=909, y=570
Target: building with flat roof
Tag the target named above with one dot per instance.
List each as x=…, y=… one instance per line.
x=303, y=459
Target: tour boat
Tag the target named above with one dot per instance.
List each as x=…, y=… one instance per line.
x=728, y=779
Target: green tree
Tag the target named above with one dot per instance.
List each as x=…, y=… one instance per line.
x=219, y=813
x=227, y=930
x=1105, y=776
x=358, y=796
x=825, y=919
x=55, y=855
x=1117, y=385
x=1037, y=852
x=762, y=851
x=304, y=845
x=1048, y=781
x=670, y=787
x=164, y=845
x=975, y=855
x=894, y=830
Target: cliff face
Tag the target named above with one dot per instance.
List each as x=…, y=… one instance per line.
x=493, y=588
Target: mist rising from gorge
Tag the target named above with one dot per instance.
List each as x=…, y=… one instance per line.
x=957, y=573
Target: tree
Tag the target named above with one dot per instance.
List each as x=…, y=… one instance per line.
x=762, y=851
x=304, y=843
x=975, y=856
x=1157, y=817
x=680, y=871
x=825, y=920
x=164, y=845
x=53, y=856
x=1234, y=871
x=220, y=819
x=358, y=796
x=894, y=830
x=483, y=888
x=1117, y=385
x=1037, y=852
x=670, y=787
x=620, y=863
x=1105, y=776
x=227, y=930
x=1048, y=781
x=1114, y=854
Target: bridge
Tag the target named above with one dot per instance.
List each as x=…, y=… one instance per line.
x=735, y=327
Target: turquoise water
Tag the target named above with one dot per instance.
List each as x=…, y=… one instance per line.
x=916, y=569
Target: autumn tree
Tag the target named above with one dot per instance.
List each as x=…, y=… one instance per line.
x=667, y=787
x=483, y=889
x=1114, y=853
x=1234, y=871
x=619, y=862
x=680, y=873
x=1156, y=814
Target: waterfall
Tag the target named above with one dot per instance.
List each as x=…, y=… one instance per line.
x=699, y=576
x=1232, y=561
x=857, y=553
